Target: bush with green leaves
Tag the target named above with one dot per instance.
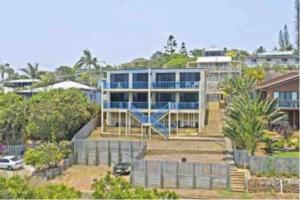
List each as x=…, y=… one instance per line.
x=109, y=187
x=12, y=118
x=56, y=191
x=58, y=114
x=17, y=187
x=44, y=156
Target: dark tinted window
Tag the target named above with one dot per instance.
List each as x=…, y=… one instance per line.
x=118, y=77
x=165, y=77
x=119, y=97
x=189, y=97
x=190, y=76
x=140, y=77
x=140, y=97
x=165, y=97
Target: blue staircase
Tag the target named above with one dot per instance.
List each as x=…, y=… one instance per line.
x=154, y=119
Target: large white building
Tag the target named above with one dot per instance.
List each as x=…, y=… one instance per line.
x=219, y=68
x=272, y=58
x=161, y=100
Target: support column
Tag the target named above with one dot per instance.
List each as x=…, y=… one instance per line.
x=169, y=116
x=177, y=118
x=102, y=107
x=150, y=132
x=119, y=123
x=149, y=94
x=129, y=124
x=294, y=118
x=126, y=126
x=142, y=132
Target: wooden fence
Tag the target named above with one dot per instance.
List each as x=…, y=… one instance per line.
x=107, y=152
x=267, y=164
x=12, y=149
x=150, y=173
x=86, y=130
x=166, y=174
x=53, y=172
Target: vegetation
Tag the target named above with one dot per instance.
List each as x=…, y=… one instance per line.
x=57, y=114
x=257, y=73
x=56, y=191
x=109, y=187
x=12, y=118
x=16, y=187
x=247, y=114
x=288, y=154
x=44, y=156
x=284, y=40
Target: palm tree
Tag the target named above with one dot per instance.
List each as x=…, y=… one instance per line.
x=87, y=62
x=32, y=70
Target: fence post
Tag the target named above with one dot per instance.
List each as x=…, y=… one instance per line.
x=132, y=173
x=131, y=151
x=97, y=152
x=194, y=175
x=210, y=177
x=177, y=175
x=86, y=153
x=108, y=153
x=281, y=186
x=146, y=173
x=119, y=152
x=161, y=174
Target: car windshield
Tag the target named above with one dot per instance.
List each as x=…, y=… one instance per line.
x=14, y=158
x=123, y=165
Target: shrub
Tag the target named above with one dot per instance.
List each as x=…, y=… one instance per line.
x=65, y=148
x=43, y=156
x=56, y=191
x=109, y=187
x=18, y=188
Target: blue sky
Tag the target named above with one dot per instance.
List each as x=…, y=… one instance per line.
x=54, y=32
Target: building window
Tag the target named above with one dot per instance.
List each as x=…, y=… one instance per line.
x=189, y=97
x=165, y=97
x=189, y=76
x=284, y=59
x=165, y=77
x=253, y=60
x=269, y=59
x=118, y=77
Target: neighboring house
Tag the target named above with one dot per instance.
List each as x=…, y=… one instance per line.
x=12, y=85
x=90, y=92
x=286, y=89
x=161, y=100
x=272, y=58
x=219, y=68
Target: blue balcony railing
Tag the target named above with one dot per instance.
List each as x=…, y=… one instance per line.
x=288, y=103
x=173, y=84
x=140, y=84
x=156, y=85
x=154, y=106
x=116, y=85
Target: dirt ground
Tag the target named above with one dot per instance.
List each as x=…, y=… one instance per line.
x=81, y=177
x=203, y=158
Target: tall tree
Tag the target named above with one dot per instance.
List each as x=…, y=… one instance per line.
x=286, y=37
x=170, y=48
x=86, y=63
x=183, y=50
x=32, y=70
x=297, y=8
x=281, y=41
x=3, y=70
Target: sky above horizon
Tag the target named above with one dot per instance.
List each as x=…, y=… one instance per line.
x=55, y=32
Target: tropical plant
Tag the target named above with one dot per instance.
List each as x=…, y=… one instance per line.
x=86, y=63
x=18, y=188
x=257, y=73
x=247, y=115
x=32, y=70
x=12, y=118
x=109, y=187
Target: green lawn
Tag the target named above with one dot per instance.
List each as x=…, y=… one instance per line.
x=293, y=154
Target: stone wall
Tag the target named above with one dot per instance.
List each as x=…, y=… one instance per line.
x=264, y=184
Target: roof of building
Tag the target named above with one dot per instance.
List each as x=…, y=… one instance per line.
x=212, y=59
x=278, y=80
x=61, y=85
x=213, y=48
x=153, y=69
x=23, y=81
x=273, y=54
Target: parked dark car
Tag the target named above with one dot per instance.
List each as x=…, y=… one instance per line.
x=122, y=168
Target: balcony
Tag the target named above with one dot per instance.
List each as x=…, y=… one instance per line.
x=154, y=105
x=288, y=103
x=155, y=85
